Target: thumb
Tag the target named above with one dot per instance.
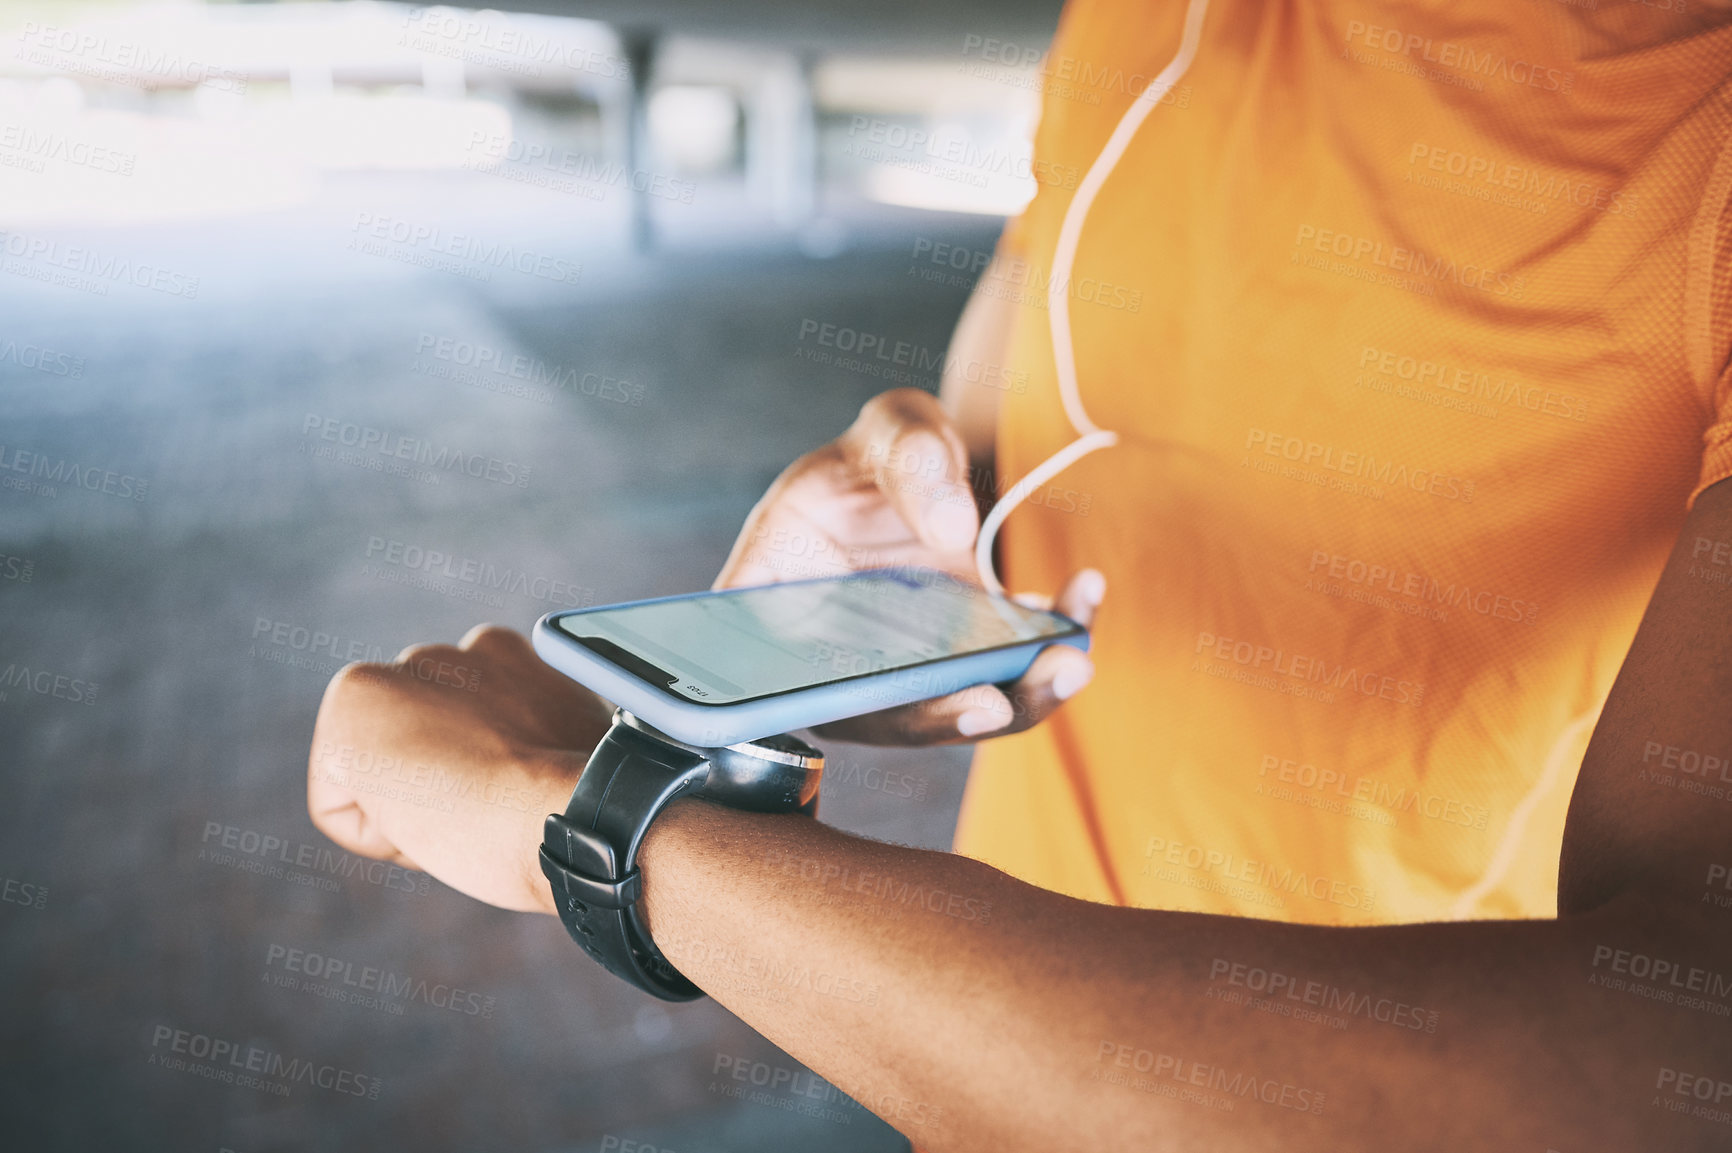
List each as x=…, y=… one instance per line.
x=905, y=442
x=339, y=813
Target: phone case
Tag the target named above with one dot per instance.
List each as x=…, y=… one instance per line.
x=712, y=726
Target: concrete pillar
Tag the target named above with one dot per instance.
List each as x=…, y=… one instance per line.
x=782, y=141
x=639, y=46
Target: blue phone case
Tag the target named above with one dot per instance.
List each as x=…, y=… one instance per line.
x=712, y=726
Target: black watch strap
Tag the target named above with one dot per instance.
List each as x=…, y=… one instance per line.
x=589, y=852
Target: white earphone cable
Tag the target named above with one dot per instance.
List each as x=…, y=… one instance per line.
x=1089, y=436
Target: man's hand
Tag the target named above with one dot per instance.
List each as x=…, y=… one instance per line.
x=893, y=490
x=449, y=759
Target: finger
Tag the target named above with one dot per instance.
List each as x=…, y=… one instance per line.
x=906, y=443
x=339, y=815
x=431, y=667
x=420, y=652
x=545, y=704
x=923, y=723
x=1057, y=674
x=336, y=808
x=496, y=639
x=1082, y=596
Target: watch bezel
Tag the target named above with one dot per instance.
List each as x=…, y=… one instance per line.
x=801, y=756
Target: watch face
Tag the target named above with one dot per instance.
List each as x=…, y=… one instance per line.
x=785, y=749
x=771, y=775
x=633, y=721
x=782, y=749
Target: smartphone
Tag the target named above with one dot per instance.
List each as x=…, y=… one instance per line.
x=719, y=668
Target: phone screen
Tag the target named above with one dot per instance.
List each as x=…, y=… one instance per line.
x=738, y=645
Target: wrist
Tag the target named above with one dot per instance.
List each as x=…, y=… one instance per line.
x=684, y=825
x=629, y=818
x=552, y=776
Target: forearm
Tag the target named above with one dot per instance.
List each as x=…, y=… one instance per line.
x=977, y=368
x=975, y=1012
x=830, y=946
x=1648, y=808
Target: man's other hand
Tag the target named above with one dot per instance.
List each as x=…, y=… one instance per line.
x=448, y=760
x=893, y=491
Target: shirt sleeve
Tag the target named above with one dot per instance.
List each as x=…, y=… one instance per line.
x=1053, y=131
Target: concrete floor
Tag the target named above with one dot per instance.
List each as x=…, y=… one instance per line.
x=199, y=722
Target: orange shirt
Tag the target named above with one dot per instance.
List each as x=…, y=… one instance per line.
x=1414, y=320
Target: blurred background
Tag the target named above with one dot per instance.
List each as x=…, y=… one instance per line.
x=605, y=258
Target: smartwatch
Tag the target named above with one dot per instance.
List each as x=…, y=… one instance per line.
x=589, y=852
